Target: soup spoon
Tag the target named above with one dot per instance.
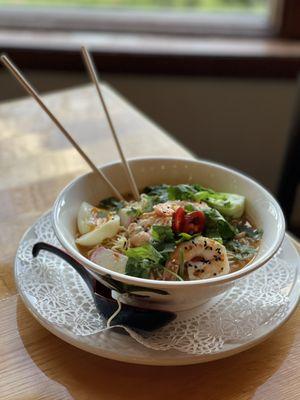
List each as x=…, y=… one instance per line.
x=134, y=317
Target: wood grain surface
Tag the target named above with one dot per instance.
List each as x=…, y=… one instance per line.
x=35, y=163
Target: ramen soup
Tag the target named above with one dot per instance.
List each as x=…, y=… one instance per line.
x=174, y=233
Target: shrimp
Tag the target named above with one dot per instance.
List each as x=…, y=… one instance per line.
x=162, y=213
x=137, y=235
x=168, y=208
x=147, y=220
x=203, y=258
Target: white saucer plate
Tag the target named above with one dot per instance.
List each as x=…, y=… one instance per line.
x=122, y=347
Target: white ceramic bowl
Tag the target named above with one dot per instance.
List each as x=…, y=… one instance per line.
x=261, y=207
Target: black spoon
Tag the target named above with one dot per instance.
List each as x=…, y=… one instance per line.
x=131, y=316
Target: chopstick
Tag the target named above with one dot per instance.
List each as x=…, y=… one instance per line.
x=30, y=90
x=93, y=75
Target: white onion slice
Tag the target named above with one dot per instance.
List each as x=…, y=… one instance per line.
x=109, y=259
x=105, y=231
x=85, y=217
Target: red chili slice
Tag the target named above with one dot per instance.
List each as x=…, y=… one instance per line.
x=193, y=222
x=178, y=220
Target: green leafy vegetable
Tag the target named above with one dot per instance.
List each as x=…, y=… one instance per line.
x=230, y=205
x=144, y=252
x=142, y=261
x=133, y=212
x=162, y=233
x=139, y=268
x=213, y=233
x=184, y=237
x=111, y=203
x=163, y=240
x=163, y=193
x=189, y=208
x=146, y=203
x=240, y=251
x=159, y=193
x=253, y=233
x=217, y=226
x=182, y=192
x=164, y=248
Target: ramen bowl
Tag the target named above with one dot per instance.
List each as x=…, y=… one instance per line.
x=261, y=208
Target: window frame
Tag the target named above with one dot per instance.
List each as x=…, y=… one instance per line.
x=289, y=19
x=259, y=55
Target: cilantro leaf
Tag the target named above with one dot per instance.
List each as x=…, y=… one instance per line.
x=139, y=268
x=158, y=193
x=133, y=212
x=213, y=233
x=163, y=193
x=251, y=232
x=163, y=240
x=162, y=233
x=182, y=192
x=144, y=252
x=217, y=226
x=111, y=203
x=240, y=251
x=142, y=260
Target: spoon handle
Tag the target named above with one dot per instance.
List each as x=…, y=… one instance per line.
x=85, y=275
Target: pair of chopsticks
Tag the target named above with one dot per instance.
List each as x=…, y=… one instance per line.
x=93, y=75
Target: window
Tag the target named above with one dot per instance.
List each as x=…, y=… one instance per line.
x=188, y=37
x=253, y=6
x=192, y=17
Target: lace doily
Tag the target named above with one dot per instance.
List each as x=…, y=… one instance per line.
x=59, y=295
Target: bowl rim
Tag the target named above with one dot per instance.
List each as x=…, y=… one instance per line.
x=252, y=266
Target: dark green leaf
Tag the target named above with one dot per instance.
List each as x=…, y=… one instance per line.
x=111, y=203
x=240, y=251
x=165, y=249
x=142, y=260
x=217, y=226
x=253, y=233
x=182, y=192
x=134, y=212
x=159, y=193
x=163, y=193
x=144, y=252
x=162, y=233
x=163, y=240
x=139, y=268
x=213, y=233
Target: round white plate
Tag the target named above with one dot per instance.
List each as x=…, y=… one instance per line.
x=122, y=347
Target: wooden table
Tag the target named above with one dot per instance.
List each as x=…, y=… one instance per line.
x=35, y=163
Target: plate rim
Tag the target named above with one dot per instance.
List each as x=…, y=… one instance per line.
x=171, y=360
